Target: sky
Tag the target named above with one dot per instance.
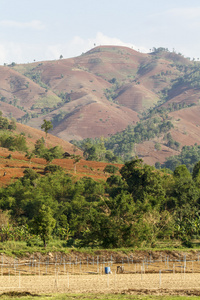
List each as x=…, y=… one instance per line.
x=45, y=29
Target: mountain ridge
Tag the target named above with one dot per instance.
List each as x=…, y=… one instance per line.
x=100, y=92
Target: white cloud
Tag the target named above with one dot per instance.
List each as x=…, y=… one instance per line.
x=34, y=24
x=78, y=45
x=24, y=52
x=54, y=51
x=19, y=52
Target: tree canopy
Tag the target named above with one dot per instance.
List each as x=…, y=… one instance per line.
x=138, y=206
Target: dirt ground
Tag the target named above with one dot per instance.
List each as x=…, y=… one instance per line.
x=156, y=275
x=179, y=283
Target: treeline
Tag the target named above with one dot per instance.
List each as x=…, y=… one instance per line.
x=8, y=139
x=18, y=142
x=189, y=156
x=122, y=144
x=138, y=207
x=163, y=111
x=189, y=78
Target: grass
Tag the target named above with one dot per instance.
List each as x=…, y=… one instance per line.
x=28, y=296
x=20, y=248
x=47, y=101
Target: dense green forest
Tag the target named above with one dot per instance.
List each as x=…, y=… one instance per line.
x=137, y=207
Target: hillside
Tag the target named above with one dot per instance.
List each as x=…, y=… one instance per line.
x=102, y=92
x=13, y=163
x=15, y=167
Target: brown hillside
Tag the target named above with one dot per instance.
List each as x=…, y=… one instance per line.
x=32, y=135
x=81, y=82
x=150, y=155
x=183, y=95
x=86, y=122
x=186, y=131
x=187, y=125
x=20, y=92
x=101, y=92
x=143, y=98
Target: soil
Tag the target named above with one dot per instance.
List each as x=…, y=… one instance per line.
x=144, y=273
x=13, y=168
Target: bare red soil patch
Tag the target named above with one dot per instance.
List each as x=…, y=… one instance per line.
x=13, y=168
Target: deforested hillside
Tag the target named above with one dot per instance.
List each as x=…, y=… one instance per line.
x=105, y=91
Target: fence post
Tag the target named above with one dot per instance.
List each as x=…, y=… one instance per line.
x=160, y=280
x=19, y=280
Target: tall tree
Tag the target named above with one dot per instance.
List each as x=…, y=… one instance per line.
x=47, y=125
x=43, y=223
x=144, y=182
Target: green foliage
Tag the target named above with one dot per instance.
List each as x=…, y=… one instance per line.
x=196, y=171
x=59, y=117
x=8, y=139
x=43, y=223
x=53, y=168
x=190, y=77
x=29, y=155
x=189, y=156
x=47, y=125
x=48, y=154
x=36, y=77
x=30, y=174
x=181, y=172
x=139, y=207
x=95, y=150
x=47, y=101
x=12, y=125
x=171, y=143
x=122, y=144
x=157, y=146
x=111, y=169
x=30, y=177
x=65, y=97
x=13, y=142
x=144, y=182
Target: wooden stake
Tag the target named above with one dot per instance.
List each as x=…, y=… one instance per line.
x=160, y=278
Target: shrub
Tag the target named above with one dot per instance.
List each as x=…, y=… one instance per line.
x=111, y=169
x=53, y=168
x=30, y=174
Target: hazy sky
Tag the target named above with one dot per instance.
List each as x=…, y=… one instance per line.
x=45, y=29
